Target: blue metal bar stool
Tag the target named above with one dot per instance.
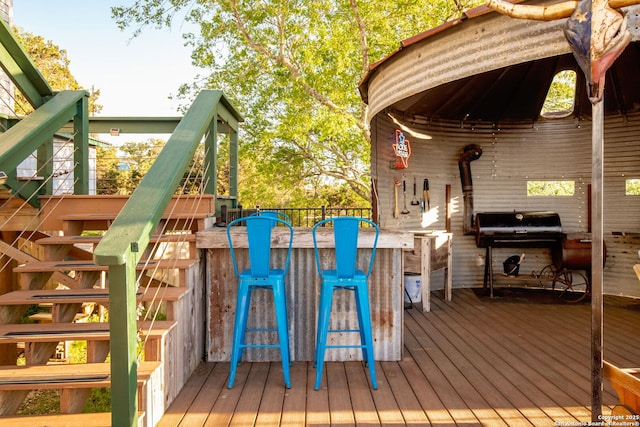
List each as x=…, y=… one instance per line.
x=345, y=276
x=260, y=274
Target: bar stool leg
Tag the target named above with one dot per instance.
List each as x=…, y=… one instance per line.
x=364, y=316
x=324, y=314
x=279, y=299
x=242, y=310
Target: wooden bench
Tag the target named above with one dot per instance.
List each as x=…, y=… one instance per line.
x=626, y=382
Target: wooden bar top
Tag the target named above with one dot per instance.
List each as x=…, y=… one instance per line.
x=216, y=238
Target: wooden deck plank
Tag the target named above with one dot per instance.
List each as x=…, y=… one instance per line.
x=181, y=404
x=540, y=363
x=294, y=407
x=317, y=400
x=249, y=402
x=270, y=411
x=462, y=379
x=204, y=400
x=459, y=357
x=425, y=394
x=360, y=393
x=225, y=406
x=448, y=395
x=467, y=362
x=339, y=399
x=409, y=406
x=386, y=405
x=513, y=389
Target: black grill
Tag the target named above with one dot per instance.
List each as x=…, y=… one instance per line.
x=515, y=230
x=518, y=229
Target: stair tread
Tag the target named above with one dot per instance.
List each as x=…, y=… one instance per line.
x=71, y=240
x=70, y=296
x=113, y=215
x=55, y=376
x=51, y=332
x=94, y=419
x=89, y=265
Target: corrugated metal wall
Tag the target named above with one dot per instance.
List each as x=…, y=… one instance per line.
x=303, y=285
x=558, y=149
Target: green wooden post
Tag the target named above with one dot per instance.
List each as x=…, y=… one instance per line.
x=233, y=165
x=81, y=144
x=211, y=159
x=124, y=365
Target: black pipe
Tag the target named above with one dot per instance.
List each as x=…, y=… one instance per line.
x=468, y=154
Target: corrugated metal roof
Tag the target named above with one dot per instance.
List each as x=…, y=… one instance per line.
x=513, y=92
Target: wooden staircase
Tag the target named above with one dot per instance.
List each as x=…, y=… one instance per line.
x=58, y=270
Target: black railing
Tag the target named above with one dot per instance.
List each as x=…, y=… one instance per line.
x=300, y=217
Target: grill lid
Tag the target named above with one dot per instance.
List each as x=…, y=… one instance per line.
x=519, y=228
x=513, y=222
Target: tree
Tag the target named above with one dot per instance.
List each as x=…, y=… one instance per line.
x=292, y=67
x=53, y=63
x=110, y=179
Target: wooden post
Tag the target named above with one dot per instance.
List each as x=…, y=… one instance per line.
x=597, y=256
x=447, y=218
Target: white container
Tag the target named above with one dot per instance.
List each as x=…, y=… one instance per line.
x=412, y=288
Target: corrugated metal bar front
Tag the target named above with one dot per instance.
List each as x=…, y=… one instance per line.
x=303, y=284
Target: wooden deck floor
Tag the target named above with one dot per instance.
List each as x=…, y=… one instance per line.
x=467, y=362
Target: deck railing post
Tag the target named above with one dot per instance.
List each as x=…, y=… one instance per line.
x=124, y=366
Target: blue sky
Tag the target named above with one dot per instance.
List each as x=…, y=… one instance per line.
x=135, y=76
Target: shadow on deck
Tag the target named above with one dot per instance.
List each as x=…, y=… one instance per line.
x=471, y=361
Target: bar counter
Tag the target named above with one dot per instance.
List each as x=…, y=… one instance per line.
x=386, y=291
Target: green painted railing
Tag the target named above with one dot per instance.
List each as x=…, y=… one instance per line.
x=124, y=243
x=35, y=133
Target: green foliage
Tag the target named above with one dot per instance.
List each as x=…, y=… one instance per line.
x=53, y=64
x=110, y=179
x=551, y=188
x=561, y=95
x=632, y=187
x=293, y=67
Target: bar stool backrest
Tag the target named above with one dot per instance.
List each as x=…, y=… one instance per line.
x=345, y=233
x=259, y=240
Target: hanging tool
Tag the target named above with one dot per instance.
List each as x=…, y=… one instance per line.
x=414, y=201
x=425, y=193
x=396, y=183
x=404, y=197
